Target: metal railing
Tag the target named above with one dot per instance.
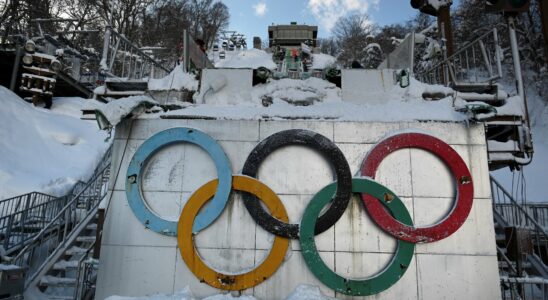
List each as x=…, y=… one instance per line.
x=124, y=60
x=514, y=214
x=537, y=212
x=22, y=217
x=86, y=275
x=64, y=226
x=480, y=61
x=523, y=288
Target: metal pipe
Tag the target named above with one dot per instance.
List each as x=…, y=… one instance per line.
x=103, y=64
x=16, y=64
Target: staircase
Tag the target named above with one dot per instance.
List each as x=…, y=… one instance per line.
x=473, y=72
x=54, y=239
x=522, y=246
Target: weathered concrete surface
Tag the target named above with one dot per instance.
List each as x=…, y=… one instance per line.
x=136, y=261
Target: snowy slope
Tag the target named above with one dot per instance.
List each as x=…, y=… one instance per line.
x=176, y=80
x=45, y=151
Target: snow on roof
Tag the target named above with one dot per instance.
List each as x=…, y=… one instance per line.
x=41, y=150
x=321, y=61
x=318, y=99
x=252, y=58
x=176, y=80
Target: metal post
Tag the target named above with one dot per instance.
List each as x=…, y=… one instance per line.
x=16, y=64
x=517, y=65
x=444, y=27
x=515, y=56
x=103, y=65
x=186, y=52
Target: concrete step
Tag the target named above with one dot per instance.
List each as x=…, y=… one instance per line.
x=51, y=281
x=64, y=265
x=86, y=239
x=76, y=250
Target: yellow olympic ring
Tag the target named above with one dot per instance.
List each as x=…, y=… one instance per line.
x=193, y=260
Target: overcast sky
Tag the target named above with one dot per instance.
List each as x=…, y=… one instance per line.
x=252, y=17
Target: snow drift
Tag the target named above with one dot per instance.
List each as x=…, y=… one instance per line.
x=45, y=151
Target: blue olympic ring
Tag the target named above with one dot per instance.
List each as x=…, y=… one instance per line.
x=151, y=146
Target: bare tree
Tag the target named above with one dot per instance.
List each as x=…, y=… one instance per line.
x=351, y=34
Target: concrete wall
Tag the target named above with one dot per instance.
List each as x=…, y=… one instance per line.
x=135, y=261
x=362, y=86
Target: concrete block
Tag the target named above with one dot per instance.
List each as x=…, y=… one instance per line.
x=234, y=229
x=122, y=228
x=357, y=232
x=219, y=259
x=364, y=265
x=475, y=237
x=228, y=130
x=143, y=129
x=365, y=133
x=295, y=206
x=452, y=133
x=457, y=277
x=289, y=275
x=267, y=128
x=361, y=86
x=132, y=272
x=299, y=170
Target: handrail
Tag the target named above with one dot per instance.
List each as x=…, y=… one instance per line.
x=121, y=59
x=58, y=216
x=137, y=49
x=81, y=275
x=516, y=204
x=468, y=58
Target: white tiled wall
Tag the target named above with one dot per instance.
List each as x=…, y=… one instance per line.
x=135, y=261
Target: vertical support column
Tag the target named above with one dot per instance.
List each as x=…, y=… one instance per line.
x=186, y=52
x=444, y=24
x=103, y=64
x=16, y=64
x=543, y=7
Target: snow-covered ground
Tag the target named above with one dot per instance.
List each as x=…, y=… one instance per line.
x=46, y=151
x=252, y=58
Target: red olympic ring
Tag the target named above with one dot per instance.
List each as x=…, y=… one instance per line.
x=461, y=206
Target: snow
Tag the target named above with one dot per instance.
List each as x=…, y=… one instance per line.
x=321, y=61
x=45, y=151
x=319, y=99
x=176, y=80
x=439, y=3
x=8, y=267
x=252, y=58
x=301, y=292
x=110, y=114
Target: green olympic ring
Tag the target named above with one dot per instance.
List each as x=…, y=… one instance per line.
x=364, y=287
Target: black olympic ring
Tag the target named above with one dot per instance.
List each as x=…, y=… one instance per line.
x=316, y=142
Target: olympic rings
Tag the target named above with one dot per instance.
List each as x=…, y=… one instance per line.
x=465, y=188
x=192, y=258
x=317, y=142
x=376, y=198
x=376, y=284
x=152, y=146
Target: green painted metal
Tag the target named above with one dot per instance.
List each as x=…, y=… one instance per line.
x=356, y=287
